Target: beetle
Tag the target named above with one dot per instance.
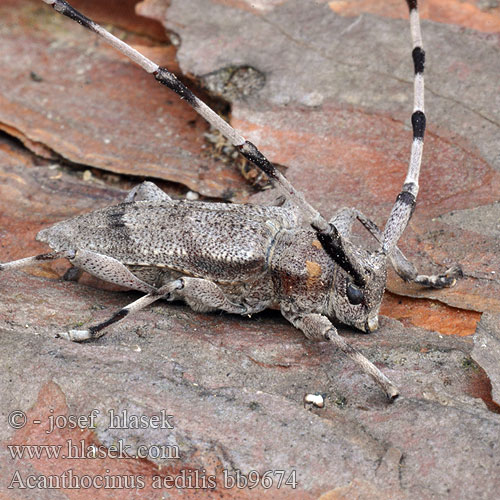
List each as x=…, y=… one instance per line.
x=243, y=259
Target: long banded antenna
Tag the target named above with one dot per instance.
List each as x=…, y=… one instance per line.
x=406, y=200
x=327, y=235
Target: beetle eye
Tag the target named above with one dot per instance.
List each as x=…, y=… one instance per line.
x=354, y=294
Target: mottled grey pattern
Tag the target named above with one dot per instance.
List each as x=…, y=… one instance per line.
x=256, y=254
x=242, y=259
x=220, y=242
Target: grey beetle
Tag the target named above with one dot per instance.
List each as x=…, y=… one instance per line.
x=242, y=258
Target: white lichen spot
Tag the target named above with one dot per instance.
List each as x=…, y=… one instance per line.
x=192, y=196
x=315, y=399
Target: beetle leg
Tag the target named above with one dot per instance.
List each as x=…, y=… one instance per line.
x=204, y=295
x=201, y=295
x=319, y=327
x=109, y=269
x=30, y=261
x=343, y=221
x=147, y=191
x=403, y=267
x=94, y=332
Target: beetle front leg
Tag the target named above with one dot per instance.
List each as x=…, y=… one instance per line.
x=403, y=267
x=319, y=327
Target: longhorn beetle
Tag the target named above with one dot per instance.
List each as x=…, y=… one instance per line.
x=243, y=258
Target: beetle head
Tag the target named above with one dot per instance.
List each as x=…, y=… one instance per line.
x=358, y=304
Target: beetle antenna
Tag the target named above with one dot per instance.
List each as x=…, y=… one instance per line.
x=406, y=199
x=329, y=237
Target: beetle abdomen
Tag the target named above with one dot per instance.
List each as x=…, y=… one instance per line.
x=216, y=241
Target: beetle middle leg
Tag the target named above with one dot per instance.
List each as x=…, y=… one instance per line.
x=202, y=295
x=94, y=332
